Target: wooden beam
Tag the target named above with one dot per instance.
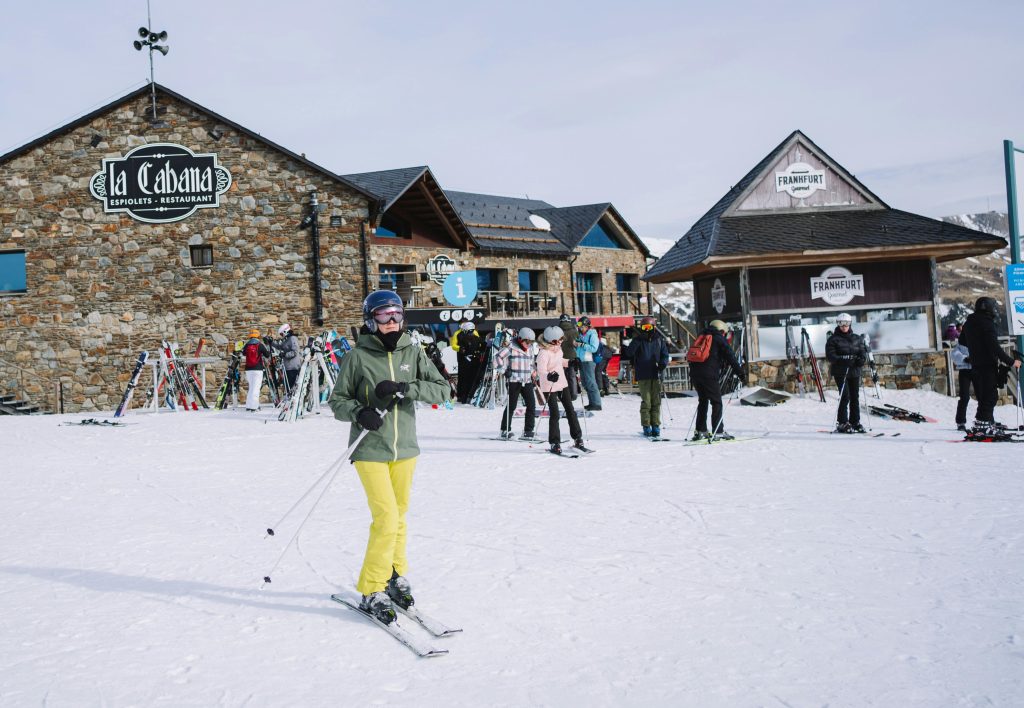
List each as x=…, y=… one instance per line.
x=421, y=186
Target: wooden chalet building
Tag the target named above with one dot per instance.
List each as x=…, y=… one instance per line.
x=797, y=241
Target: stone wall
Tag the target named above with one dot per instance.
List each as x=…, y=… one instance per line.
x=925, y=371
x=101, y=287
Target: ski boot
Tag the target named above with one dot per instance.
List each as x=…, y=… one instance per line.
x=528, y=436
x=962, y=427
x=701, y=435
x=581, y=447
x=844, y=428
x=507, y=435
x=378, y=605
x=723, y=435
x=400, y=591
x=556, y=449
x=647, y=431
x=858, y=428
x=655, y=431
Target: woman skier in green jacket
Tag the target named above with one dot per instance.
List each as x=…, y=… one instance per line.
x=385, y=364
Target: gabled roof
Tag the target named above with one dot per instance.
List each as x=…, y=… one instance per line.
x=503, y=223
x=145, y=90
x=723, y=237
x=424, y=194
x=389, y=185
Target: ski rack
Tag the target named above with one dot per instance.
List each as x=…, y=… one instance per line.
x=158, y=365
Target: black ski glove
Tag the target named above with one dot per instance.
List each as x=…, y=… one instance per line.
x=390, y=388
x=552, y=376
x=369, y=419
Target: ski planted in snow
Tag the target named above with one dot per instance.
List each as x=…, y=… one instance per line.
x=132, y=383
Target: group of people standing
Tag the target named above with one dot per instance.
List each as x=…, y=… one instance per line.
x=256, y=350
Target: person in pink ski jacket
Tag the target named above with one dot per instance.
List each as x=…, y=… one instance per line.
x=551, y=367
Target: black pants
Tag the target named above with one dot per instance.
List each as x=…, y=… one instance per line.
x=292, y=375
x=515, y=389
x=849, y=400
x=964, y=384
x=601, y=374
x=469, y=370
x=986, y=391
x=708, y=393
x=554, y=434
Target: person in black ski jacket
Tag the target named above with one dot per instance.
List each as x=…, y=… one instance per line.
x=649, y=354
x=291, y=355
x=979, y=336
x=572, y=363
x=847, y=354
x=470, y=348
x=705, y=377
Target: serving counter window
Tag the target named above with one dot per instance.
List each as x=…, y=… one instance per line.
x=901, y=328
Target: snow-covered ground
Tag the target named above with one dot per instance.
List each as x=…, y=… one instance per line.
x=801, y=569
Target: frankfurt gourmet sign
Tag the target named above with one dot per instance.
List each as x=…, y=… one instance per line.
x=837, y=286
x=800, y=180
x=160, y=182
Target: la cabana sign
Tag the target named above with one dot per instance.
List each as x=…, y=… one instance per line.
x=160, y=182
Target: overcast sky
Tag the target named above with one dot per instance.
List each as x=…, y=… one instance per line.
x=657, y=107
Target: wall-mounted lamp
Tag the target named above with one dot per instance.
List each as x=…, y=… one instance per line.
x=215, y=134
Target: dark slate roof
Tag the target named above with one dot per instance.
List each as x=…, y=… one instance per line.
x=715, y=235
x=832, y=230
x=146, y=89
x=389, y=185
x=493, y=210
x=571, y=224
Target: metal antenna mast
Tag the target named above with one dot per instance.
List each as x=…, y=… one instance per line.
x=150, y=39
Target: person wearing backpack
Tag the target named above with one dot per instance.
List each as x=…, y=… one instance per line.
x=252, y=354
x=649, y=354
x=705, y=376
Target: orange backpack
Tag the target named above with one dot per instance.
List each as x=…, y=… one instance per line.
x=700, y=349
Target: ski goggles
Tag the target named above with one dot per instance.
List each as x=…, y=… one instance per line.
x=646, y=327
x=389, y=314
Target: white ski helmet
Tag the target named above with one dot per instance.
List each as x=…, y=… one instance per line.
x=553, y=334
x=284, y=329
x=844, y=317
x=467, y=326
x=527, y=334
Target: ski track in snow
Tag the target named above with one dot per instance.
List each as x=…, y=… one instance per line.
x=798, y=569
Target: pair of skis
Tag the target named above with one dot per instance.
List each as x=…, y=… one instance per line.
x=421, y=647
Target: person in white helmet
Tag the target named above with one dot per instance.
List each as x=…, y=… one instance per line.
x=288, y=347
x=845, y=351
x=470, y=348
x=551, y=373
x=517, y=361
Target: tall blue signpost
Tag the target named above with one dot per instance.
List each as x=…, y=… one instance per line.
x=1014, y=271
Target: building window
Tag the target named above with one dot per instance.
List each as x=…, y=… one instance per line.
x=601, y=237
x=627, y=282
x=532, y=280
x=392, y=227
x=399, y=278
x=12, y=273
x=202, y=255
x=587, y=295
x=491, y=279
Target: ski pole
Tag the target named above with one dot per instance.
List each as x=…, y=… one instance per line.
x=337, y=468
x=664, y=393
x=862, y=404
x=842, y=389
x=693, y=419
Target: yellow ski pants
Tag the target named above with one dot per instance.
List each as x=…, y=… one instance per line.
x=387, y=485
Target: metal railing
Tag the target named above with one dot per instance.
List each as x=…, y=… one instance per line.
x=38, y=388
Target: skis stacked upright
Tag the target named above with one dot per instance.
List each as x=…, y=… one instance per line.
x=793, y=353
x=188, y=388
x=314, y=382
x=230, y=384
x=132, y=383
x=486, y=391
x=805, y=341
x=871, y=365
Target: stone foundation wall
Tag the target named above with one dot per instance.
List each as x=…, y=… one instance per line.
x=101, y=287
x=925, y=371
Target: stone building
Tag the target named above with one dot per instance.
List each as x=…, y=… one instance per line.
x=122, y=229
x=797, y=241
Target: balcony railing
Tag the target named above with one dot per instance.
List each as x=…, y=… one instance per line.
x=523, y=303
